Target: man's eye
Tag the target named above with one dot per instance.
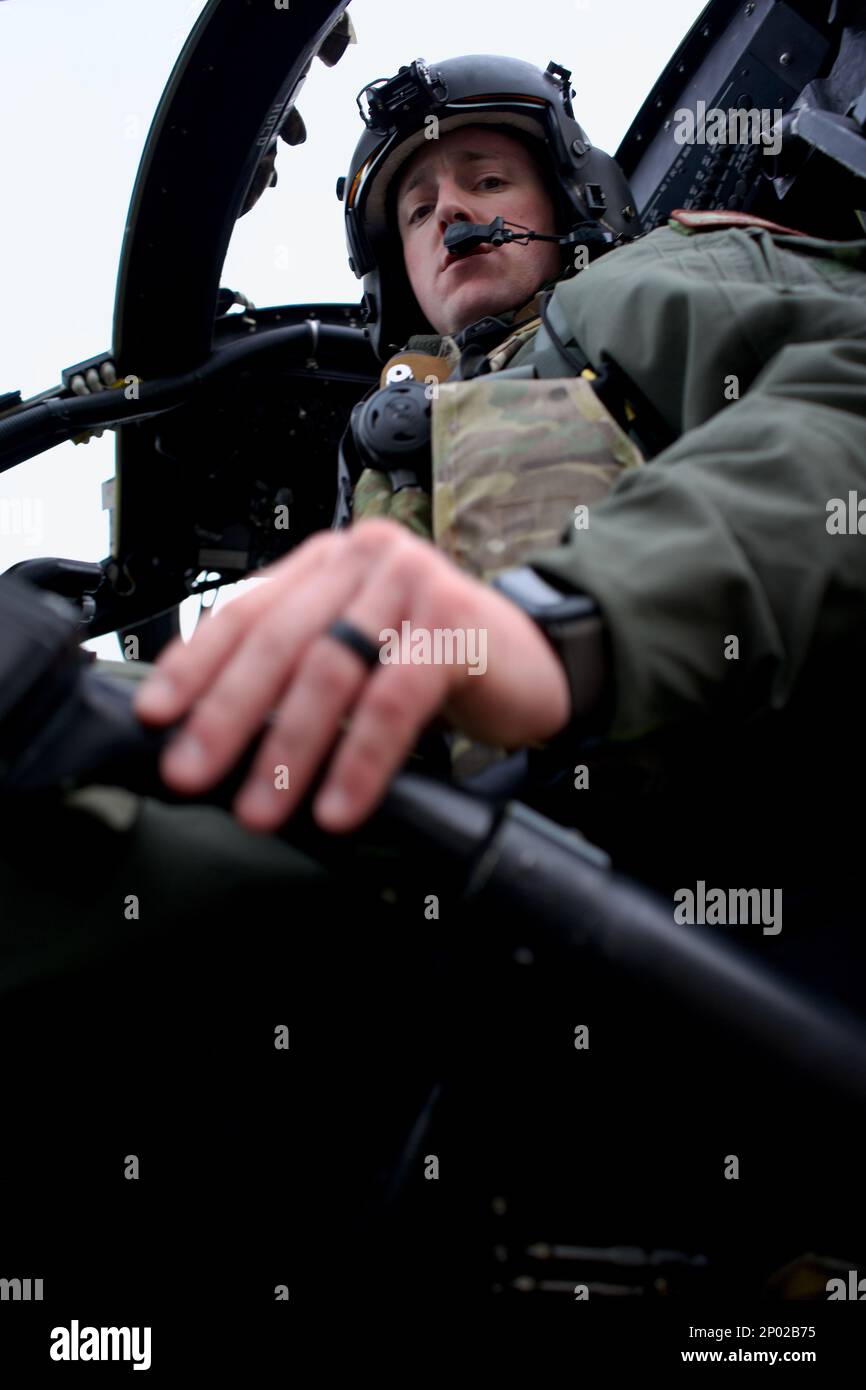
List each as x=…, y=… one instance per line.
x=423, y=208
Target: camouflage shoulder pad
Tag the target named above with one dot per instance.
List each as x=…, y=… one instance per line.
x=516, y=463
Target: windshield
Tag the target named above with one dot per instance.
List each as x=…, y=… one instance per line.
x=79, y=85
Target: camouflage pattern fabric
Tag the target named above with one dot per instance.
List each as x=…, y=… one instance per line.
x=431, y=359
x=500, y=357
x=411, y=505
x=512, y=460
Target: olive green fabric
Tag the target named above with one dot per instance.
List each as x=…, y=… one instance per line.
x=752, y=345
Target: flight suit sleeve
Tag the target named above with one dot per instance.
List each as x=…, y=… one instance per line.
x=721, y=570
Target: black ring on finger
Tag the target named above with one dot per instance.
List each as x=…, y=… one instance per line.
x=355, y=639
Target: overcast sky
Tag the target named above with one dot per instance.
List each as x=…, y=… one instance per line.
x=80, y=81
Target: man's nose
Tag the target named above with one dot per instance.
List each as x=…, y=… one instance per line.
x=454, y=206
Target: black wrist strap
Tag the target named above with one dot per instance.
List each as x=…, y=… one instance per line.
x=573, y=625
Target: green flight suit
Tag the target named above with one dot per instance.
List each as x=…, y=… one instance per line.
x=751, y=346
x=726, y=532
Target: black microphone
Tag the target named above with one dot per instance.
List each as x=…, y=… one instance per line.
x=463, y=237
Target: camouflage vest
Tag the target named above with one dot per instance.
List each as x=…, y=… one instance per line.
x=516, y=462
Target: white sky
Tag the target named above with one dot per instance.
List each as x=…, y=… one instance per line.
x=80, y=81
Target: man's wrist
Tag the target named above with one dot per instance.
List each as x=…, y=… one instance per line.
x=573, y=624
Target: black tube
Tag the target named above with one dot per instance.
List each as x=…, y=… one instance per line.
x=29, y=432
x=70, y=727
x=535, y=866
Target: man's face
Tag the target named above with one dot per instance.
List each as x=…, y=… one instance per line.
x=473, y=175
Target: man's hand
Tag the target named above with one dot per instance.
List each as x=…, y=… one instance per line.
x=269, y=651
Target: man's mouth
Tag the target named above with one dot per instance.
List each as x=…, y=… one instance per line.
x=468, y=255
